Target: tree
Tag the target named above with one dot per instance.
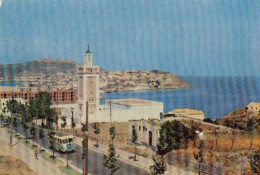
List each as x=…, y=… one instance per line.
x=228, y=123
x=41, y=106
x=16, y=123
x=83, y=153
x=26, y=118
x=53, y=118
x=242, y=126
x=251, y=128
x=20, y=111
x=178, y=135
x=41, y=136
x=134, y=139
x=96, y=132
x=37, y=106
x=73, y=123
x=33, y=133
x=163, y=148
x=26, y=127
x=52, y=140
x=84, y=147
x=159, y=166
x=64, y=119
x=46, y=102
x=2, y=119
x=251, y=124
x=110, y=159
x=255, y=162
x=32, y=109
x=12, y=107
x=208, y=120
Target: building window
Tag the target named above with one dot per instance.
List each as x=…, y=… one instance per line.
x=139, y=128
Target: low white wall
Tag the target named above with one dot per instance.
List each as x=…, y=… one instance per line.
x=123, y=114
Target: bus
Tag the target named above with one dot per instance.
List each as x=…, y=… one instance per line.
x=64, y=143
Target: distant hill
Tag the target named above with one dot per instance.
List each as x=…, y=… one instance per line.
x=45, y=66
x=240, y=117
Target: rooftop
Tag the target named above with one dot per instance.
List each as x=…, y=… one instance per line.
x=135, y=102
x=187, y=111
x=256, y=104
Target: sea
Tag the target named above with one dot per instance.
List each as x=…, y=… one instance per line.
x=215, y=96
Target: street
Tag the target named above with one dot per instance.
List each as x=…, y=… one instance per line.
x=95, y=159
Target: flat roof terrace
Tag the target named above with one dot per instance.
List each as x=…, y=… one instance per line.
x=135, y=102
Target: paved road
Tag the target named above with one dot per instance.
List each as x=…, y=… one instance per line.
x=95, y=159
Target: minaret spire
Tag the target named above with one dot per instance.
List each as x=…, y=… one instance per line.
x=88, y=51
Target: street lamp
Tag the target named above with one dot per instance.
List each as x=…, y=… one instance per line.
x=85, y=143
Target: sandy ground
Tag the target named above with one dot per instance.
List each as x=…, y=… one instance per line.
x=10, y=164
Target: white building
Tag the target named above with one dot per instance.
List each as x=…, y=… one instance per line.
x=122, y=110
x=147, y=131
x=253, y=108
x=188, y=113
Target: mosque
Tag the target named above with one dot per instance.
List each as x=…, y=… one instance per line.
x=115, y=110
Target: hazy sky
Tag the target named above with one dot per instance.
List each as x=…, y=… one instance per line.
x=185, y=37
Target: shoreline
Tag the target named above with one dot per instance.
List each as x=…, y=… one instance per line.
x=152, y=89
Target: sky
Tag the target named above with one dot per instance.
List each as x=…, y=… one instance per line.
x=184, y=37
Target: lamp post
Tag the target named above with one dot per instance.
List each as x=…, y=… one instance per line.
x=12, y=117
x=85, y=143
x=72, y=118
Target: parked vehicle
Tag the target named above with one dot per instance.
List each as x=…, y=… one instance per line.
x=6, y=122
x=64, y=143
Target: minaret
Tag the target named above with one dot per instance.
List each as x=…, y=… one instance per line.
x=88, y=58
x=88, y=88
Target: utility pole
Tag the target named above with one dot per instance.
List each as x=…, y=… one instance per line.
x=110, y=114
x=12, y=117
x=86, y=143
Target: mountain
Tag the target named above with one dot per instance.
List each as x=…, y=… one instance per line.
x=36, y=68
x=65, y=71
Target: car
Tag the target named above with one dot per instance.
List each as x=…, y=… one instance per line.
x=6, y=122
x=64, y=143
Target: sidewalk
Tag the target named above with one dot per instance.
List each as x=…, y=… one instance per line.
x=142, y=162
x=40, y=165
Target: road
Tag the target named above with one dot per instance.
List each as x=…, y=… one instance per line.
x=95, y=159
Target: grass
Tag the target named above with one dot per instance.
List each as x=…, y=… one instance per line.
x=220, y=156
x=10, y=163
x=68, y=171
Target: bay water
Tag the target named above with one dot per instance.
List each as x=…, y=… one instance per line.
x=215, y=96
